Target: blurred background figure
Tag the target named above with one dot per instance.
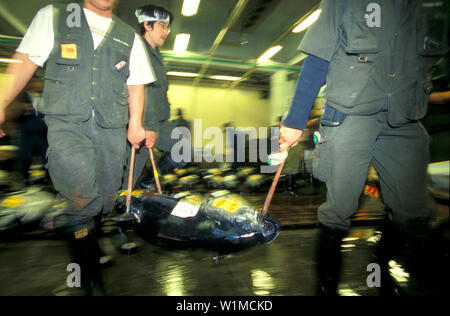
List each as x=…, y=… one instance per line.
x=180, y=121
x=33, y=131
x=26, y=137
x=232, y=146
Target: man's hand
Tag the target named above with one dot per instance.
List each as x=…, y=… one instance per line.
x=136, y=135
x=150, y=139
x=289, y=137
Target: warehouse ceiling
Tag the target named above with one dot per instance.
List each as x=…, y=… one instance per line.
x=227, y=36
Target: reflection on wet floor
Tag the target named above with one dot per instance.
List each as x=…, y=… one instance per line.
x=286, y=267
x=35, y=263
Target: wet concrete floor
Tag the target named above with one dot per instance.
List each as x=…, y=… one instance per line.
x=35, y=264
x=285, y=267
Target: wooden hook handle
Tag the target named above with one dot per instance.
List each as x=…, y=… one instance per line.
x=155, y=171
x=130, y=178
x=272, y=191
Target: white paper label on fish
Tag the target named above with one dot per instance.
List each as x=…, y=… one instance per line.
x=185, y=210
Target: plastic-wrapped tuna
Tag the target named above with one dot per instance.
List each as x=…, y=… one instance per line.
x=220, y=221
x=27, y=207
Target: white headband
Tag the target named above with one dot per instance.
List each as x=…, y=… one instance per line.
x=142, y=17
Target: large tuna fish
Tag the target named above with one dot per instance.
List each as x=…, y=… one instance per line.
x=27, y=208
x=221, y=221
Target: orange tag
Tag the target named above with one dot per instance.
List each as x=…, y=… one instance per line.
x=69, y=51
x=371, y=191
x=81, y=233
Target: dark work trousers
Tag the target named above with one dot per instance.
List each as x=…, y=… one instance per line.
x=400, y=156
x=85, y=162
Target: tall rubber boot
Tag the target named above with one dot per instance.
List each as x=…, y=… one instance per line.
x=84, y=247
x=165, y=165
x=329, y=257
x=412, y=251
x=385, y=250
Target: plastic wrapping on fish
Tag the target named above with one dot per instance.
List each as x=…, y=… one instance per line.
x=30, y=206
x=221, y=221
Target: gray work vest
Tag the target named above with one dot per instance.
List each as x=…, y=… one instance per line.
x=80, y=81
x=385, y=56
x=157, y=107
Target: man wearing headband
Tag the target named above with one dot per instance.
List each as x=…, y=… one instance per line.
x=96, y=69
x=155, y=27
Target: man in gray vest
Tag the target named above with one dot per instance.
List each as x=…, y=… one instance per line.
x=376, y=58
x=96, y=70
x=155, y=28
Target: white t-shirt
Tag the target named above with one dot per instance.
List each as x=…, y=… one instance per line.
x=39, y=40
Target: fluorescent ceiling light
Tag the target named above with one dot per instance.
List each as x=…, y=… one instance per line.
x=269, y=53
x=190, y=7
x=192, y=75
x=226, y=78
x=308, y=21
x=181, y=42
x=181, y=74
x=10, y=61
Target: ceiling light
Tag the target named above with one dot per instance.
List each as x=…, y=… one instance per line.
x=181, y=74
x=269, y=53
x=181, y=42
x=10, y=61
x=226, y=78
x=308, y=21
x=190, y=7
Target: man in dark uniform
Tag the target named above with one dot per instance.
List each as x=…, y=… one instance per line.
x=96, y=70
x=376, y=58
x=155, y=28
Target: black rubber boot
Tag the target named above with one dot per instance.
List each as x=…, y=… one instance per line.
x=385, y=250
x=410, y=251
x=329, y=257
x=84, y=247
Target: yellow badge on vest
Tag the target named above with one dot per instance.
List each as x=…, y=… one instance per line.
x=69, y=51
x=81, y=233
